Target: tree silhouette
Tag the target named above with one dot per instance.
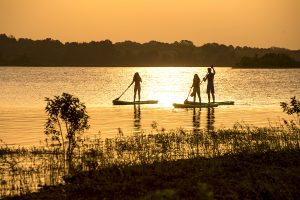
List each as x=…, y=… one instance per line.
x=67, y=120
x=49, y=52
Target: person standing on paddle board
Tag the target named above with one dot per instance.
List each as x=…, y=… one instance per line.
x=210, y=83
x=196, y=88
x=137, y=85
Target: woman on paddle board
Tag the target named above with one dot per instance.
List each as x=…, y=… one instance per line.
x=196, y=88
x=137, y=85
x=210, y=83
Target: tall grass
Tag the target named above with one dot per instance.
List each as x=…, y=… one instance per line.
x=23, y=170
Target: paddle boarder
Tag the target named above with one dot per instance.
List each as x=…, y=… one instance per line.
x=210, y=83
x=196, y=88
x=137, y=85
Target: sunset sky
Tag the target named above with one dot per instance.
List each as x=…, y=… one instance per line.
x=254, y=23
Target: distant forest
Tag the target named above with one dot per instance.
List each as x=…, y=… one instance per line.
x=49, y=52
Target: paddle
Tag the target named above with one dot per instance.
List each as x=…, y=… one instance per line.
x=188, y=95
x=122, y=93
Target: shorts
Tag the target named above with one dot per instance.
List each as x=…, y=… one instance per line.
x=210, y=89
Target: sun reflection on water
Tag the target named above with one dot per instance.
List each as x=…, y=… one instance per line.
x=169, y=85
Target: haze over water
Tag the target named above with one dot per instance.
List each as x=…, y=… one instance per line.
x=257, y=94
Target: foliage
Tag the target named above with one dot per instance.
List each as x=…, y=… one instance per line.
x=23, y=170
x=292, y=108
x=263, y=175
x=65, y=113
x=269, y=60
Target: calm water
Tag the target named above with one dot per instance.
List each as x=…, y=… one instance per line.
x=257, y=94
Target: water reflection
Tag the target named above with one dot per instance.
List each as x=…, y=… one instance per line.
x=137, y=118
x=196, y=120
x=210, y=119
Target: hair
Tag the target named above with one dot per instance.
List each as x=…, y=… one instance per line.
x=136, y=74
x=209, y=70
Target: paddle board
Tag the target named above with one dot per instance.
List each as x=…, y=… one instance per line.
x=119, y=102
x=202, y=105
x=218, y=103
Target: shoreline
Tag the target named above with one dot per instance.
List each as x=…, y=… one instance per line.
x=271, y=175
x=237, y=162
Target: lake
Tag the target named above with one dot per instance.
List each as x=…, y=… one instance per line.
x=257, y=94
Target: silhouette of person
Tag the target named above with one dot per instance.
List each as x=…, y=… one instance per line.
x=210, y=83
x=196, y=88
x=137, y=85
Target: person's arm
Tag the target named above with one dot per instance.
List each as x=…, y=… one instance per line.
x=214, y=72
x=131, y=82
x=205, y=77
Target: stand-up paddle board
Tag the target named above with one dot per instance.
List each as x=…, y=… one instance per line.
x=118, y=102
x=198, y=105
x=218, y=103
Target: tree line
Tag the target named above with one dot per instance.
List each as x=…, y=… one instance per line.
x=269, y=60
x=50, y=52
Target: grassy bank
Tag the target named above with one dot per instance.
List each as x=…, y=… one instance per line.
x=263, y=175
x=242, y=162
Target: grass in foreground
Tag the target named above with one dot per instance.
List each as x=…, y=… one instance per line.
x=119, y=167
x=263, y=175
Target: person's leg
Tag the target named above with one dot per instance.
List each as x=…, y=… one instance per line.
x=139, y=93
x=208, y=93
x=135, y=89
x=213, y=92
x=194, y=94
x=198, y=93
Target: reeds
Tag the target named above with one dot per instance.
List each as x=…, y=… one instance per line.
x=23, y=170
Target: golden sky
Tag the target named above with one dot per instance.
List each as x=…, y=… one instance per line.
x=255, y=23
